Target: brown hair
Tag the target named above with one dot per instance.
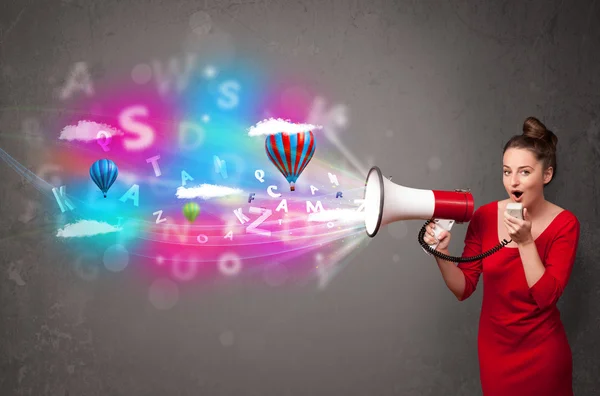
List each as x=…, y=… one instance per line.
x=539, y=140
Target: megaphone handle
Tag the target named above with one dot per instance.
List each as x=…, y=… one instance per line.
x=441, y=224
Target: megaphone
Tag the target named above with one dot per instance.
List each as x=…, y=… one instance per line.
x=386, y=202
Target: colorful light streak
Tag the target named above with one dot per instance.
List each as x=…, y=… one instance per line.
x=188, y=131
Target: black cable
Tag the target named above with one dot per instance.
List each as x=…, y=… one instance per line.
x=457, y=259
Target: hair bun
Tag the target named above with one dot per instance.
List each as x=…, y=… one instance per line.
x=533, y=128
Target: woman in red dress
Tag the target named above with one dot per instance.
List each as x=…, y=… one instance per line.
x=522, y=345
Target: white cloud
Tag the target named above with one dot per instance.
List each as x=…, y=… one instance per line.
x=271, y=126
x=345, y=215
x=206, y=191
x=87, y=131
x=128, y=177
x=85, y=228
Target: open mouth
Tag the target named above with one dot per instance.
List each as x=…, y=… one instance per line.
x=517, y=195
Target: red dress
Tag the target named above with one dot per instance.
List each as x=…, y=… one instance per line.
x=522, y=345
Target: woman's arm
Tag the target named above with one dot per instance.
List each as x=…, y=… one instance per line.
x=461, y=279
x=532, y=263
x=558, y=266
x=453, y=276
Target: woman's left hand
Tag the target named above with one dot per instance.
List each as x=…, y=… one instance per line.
x=519, y=230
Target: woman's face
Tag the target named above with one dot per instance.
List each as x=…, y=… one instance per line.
x=524, y=176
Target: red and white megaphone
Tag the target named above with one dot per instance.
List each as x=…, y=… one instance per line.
x=386, y=202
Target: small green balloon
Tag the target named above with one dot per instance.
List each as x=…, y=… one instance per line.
x=191, y=210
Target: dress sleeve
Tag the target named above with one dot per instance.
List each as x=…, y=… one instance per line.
x=561, y=257
x=472, y=270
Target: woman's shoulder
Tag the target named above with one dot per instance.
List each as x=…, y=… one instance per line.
x=564, y=225
x=564, y=216
x=485, y=213
x=487, y=209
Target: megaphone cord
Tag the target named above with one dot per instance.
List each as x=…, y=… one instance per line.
x=453, y=258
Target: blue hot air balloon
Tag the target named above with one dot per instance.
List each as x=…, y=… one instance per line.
x=290, y=153
x=104, y=173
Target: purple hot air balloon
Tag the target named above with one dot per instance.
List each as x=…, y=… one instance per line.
x=290, y=153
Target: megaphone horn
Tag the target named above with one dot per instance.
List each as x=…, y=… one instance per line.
x=386, y=202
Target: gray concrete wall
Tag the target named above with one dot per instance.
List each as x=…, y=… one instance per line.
x=432, y=90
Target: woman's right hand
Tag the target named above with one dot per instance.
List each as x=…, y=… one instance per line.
x=443, y=239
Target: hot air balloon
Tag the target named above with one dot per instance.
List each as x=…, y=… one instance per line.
x=290, y=153
x=191, y=211
x=104, y=172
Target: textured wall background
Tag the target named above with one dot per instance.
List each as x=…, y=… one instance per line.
x=433, y=89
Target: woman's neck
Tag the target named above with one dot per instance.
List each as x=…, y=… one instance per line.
x=536, y=209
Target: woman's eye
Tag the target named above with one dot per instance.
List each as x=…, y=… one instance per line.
x=525, y=173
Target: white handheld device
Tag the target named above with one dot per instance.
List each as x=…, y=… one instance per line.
x=515, y=209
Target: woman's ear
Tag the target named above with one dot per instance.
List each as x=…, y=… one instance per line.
x=548, y=175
